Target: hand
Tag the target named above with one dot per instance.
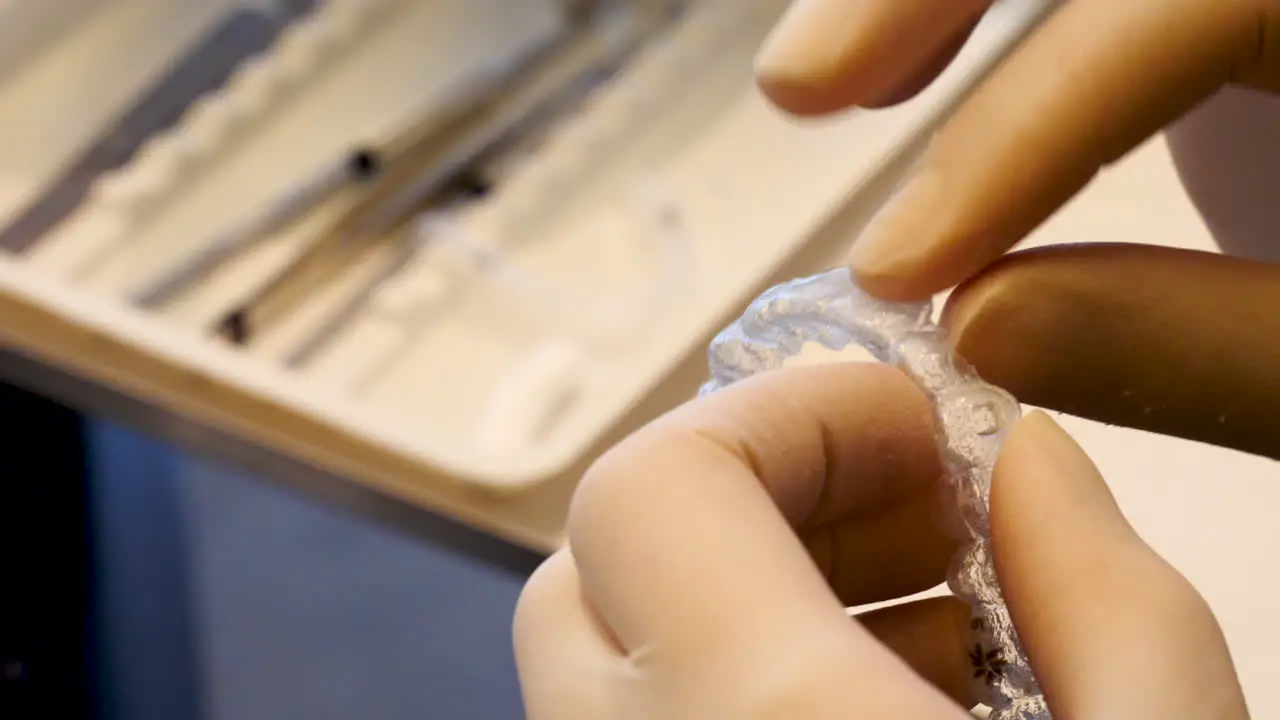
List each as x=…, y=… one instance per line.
x=1169, y=341
x=711, y=556
x=1093, y=81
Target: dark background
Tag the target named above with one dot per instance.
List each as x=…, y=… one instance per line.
x=156, y=586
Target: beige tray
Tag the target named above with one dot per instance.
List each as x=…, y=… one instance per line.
x=78, y=340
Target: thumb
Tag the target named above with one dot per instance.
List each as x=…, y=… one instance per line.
x=1111, y=629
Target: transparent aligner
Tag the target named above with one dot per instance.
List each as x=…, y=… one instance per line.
x=972, y=418
x=827, y=309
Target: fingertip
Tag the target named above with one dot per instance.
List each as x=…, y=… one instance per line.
x=798, y=62
x=1122, y=334
x=816, y=91
x=921, y=242
x=824, y=56
x=965, y=305
x=912, y=272
x=1012, y=320
x=1108, y=625
x=978, y=304
x=1051, y=506
x=799, y=95
x=893, y=285
x=804, y=82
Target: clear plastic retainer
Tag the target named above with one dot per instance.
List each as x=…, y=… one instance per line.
x=972, y=418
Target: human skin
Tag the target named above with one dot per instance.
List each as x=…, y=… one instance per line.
x=711, y=553
x=1170, y=341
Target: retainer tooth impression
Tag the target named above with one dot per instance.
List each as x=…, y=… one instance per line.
x=971, y=416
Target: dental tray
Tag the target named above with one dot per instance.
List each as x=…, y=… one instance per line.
x=519, y=328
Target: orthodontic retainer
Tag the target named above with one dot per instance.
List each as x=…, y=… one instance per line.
x=971, y=416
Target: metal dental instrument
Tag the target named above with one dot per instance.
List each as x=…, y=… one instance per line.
x=316, y=340
x=472, y=184
x=360, y=166
x=486, y=171
x=496, y=116
x=245, y=33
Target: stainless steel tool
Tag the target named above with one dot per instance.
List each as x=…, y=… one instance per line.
x=422, y=169
x=206, y=67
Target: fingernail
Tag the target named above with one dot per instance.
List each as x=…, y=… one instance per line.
x=898, y=238
x=808, y=38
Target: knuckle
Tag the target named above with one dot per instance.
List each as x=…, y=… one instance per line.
x=616, y=484
x=541, y=594
x=597, y=492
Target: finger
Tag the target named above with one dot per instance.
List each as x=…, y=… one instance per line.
x=1111, y=629
x=828, y=55
x=1095, y=80
x=934, y=638
x=684, y=532
x=901, y=551
x=1170, y=341
x=564, y=655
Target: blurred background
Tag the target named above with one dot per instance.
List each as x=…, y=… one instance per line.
x=140, y=579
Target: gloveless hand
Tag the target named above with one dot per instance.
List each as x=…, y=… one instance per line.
x=1176, y=342
x=710, y=554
